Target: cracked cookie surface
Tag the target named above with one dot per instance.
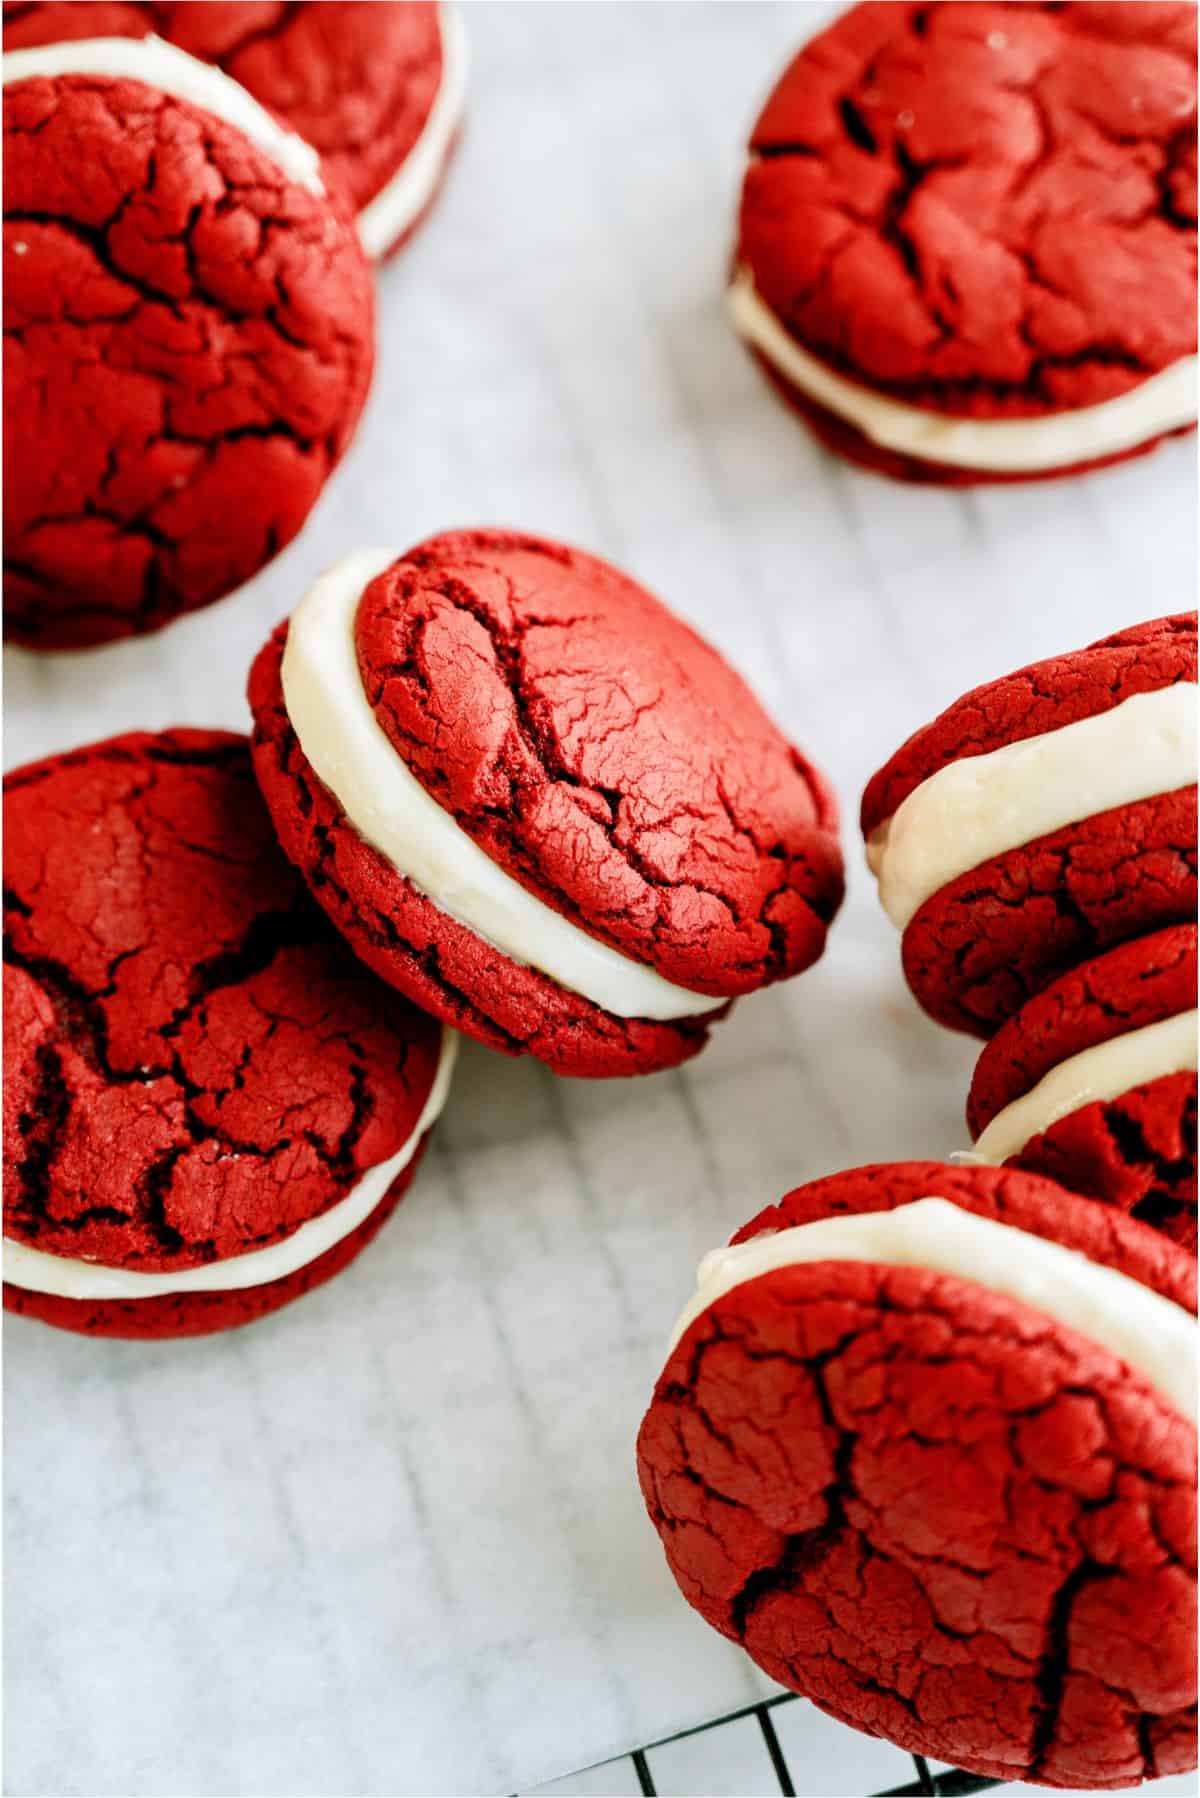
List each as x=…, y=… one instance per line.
x=355, y=81
x=943, y=1516
x=985, y=211
x=604, y=757
x=188, y=338
x=194, y=1064
x=1137, y=1150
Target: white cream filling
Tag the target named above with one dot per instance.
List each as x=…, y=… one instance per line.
x=387, y=805
x=67, y=1278
x=386, y=217
x=1104, y=1071
x=984, y=805
x=171, y=71
x=1163, y=402
x=1148, y=1332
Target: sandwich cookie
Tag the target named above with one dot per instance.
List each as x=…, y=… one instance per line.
x=1093, y=1082
x=1039, y=820
x=967, y=237
x=377, y=88
x=209, y=1105
x=189, y=327
x=537, y=802
x=925, y=1446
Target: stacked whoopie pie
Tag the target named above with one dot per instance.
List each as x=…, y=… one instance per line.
x=189, y=313
x=1036, y=845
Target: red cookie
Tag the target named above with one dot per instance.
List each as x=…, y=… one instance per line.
x=967, y=237
x=885, y=1457
x=376, y=88
x=209, y=1106
x=1039, y=820
x=188, y=338
x=1119, y=1125
x=536, y=802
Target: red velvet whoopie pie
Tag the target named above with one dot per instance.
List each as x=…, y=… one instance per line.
x=536, y=802
x=966, y=245
x=209, y=1106
x=925, y=1446
x=1040, y=820
x=189, y=337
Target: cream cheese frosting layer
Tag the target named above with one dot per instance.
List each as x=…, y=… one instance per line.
x=985, y=805
x=160, y=65
x=401, y=201
x=352, y=755
x=1163, y=402
x=1150, y=1333
x=1104, y=1071
x=67, y=1278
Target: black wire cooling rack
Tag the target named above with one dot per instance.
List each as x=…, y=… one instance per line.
x=949, y=1783
x=944, y=1782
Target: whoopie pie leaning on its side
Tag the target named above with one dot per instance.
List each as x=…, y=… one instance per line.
x=536, y=802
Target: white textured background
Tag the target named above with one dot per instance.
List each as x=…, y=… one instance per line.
x=389, y=1541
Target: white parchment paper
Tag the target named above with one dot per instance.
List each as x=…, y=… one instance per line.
x=389, y=1541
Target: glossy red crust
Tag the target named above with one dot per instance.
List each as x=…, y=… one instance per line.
x=981, y=946
x=603, y=755
x=1034, y=700
x=357, y=81
x=944, y=1521
x=194, y=1064
x=985, y=210
x=188, y=339
x=440, y=964
x=838, y=435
